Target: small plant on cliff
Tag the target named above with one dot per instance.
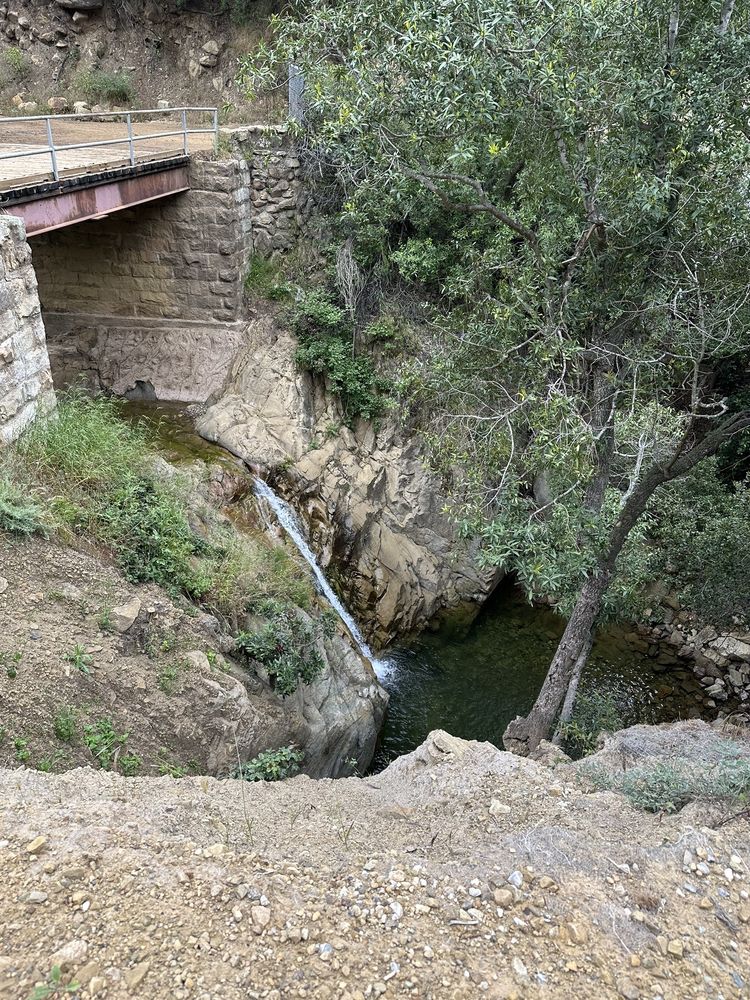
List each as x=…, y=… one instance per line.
x=19, y=515
x=287, y=647
x=17, y=62
x=64, y=725
x=103, y=742
x=593, y=713
x=272, y=765
x=79, y=658
x=263, y=279
x=97, y=84
x=326, y=349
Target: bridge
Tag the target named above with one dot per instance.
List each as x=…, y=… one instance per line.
x=124, y=248
x=59, y=170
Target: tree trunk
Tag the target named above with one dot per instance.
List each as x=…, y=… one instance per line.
x=570, y=697
x=524, y=734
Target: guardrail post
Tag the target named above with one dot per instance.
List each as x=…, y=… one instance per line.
x=184, y=132
x=131, y=146
x=52, y=152
x=216, y=130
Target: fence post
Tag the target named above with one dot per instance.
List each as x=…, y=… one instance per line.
x=184, y=132
x=52, y=153
x=131, y=145
x=296, y=94
x=216, y=130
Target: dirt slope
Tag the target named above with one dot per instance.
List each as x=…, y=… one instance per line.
x=459, y=872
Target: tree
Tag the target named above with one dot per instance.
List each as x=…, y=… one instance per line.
x=590, y=164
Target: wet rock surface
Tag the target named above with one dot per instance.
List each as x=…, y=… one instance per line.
x=369, y=500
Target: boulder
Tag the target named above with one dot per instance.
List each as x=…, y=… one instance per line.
x=58, y=104
x=122, y=617
x=81, y=107
x=84, y=5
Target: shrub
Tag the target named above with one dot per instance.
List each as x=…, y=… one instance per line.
x=19, y=515
x=272, y=765
x=593, y=712
x=129, y=764
x=657, y=788
x=97, y=84
x=17, y=62
x=286, y=646
x=64, y=725
x=103, y=742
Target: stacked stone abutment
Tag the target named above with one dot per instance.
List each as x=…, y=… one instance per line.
x=150, y=300
x=25, y=379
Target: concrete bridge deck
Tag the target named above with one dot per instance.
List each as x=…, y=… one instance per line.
x=29, y=136
x=58, y=170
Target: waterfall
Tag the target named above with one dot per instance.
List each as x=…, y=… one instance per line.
x=287, y=518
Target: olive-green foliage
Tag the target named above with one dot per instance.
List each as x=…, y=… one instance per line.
x=702, y=526
x=326, y=348
x=19, y=515
x=272, y=765
x=500, y=156
x=667, y=787
x=65, y=726
x=103, y=741
x=593, y=712
x=286, y=645
x=100, y=85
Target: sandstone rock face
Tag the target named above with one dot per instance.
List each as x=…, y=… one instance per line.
x=369, y=501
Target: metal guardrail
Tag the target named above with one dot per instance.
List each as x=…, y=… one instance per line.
x=52, y=149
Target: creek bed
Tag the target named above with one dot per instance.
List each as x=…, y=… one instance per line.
x=474, y=682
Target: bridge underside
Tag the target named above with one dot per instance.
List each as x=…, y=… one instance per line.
x=55, y=205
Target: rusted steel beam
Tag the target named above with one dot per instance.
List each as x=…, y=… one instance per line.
x=68, y=205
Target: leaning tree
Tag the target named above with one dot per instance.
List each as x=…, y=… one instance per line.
x=591, y=164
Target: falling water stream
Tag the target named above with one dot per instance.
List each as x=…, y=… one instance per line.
x=473, y=682
x=287, y=518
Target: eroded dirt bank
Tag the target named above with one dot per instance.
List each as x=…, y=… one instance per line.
x=459, y=872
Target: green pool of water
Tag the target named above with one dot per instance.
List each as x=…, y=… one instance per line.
x=472, y=685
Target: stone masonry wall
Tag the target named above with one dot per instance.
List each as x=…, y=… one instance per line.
x=25, y=379
x=180, y=258
x=280, y=201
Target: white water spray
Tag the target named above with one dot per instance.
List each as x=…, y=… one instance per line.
x=287, y=518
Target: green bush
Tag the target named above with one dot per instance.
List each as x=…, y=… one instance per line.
x=19, y=514
x=286, y=646
x=666, y=787
x=272, y=765
x=17, y=63
x=657, y=788
x=99, y=85
x=593, y=712
x=64, y=725
x=103, y=742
